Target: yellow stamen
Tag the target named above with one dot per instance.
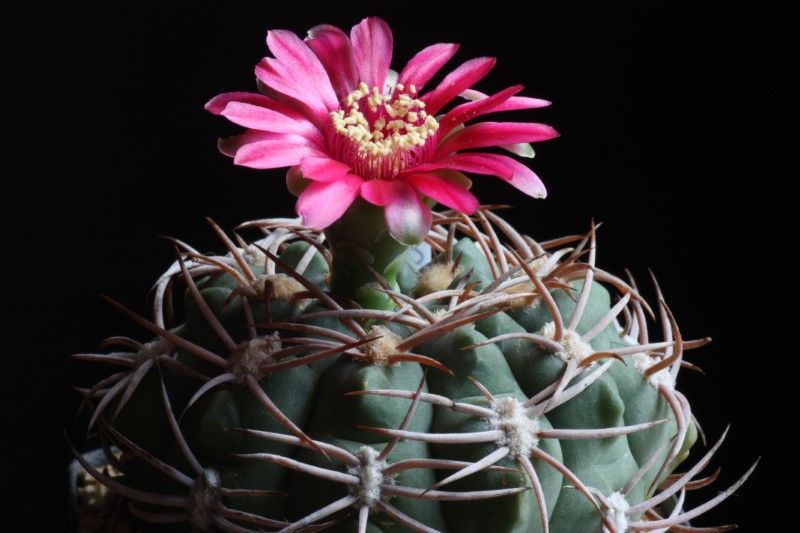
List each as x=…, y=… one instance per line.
x=382, y=126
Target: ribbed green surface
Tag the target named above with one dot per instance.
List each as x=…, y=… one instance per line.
x=315, y=397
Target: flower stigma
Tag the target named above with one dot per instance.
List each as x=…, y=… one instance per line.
x=380, y=135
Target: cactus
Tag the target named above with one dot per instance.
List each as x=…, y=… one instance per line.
x=319, y=375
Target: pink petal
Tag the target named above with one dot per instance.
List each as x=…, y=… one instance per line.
x=323, y=202
x=323, y=169
x=300, y=60
x=372, y=48
x=426, y=64
x=230, y=145
x=512, y=104
x=504, y=167
x=486, y=134
x=407, y=216
x=278, y=78
x=266, y=119
x=456, y=82
x=217, y=104
x=446, y=192
x=335, y=51
x=287, y=150
x=470, y=110
x=381, y=192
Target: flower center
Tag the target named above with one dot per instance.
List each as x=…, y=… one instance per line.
x=380, y=135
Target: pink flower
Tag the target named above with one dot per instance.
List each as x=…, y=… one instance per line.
x=348, y=126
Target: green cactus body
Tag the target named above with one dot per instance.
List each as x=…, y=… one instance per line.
x=519, y=391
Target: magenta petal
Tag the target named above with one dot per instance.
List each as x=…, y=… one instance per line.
x=426, y=64
x=456, y=82
x=464, y=112
x=301, y=61
x=407, y=216
x=444, y=191
x=512, y=104
x=265, y=119
x=372, y=48
x=323, y=202
x=323, y=169
x=381, y=192
x=504, y=167
x=486, y=134
x=217, y=104
x=279, y=78
x=230, y=145
x=286, y=151
x=335, y=51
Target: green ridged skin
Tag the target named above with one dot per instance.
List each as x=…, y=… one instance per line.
x=449, y=380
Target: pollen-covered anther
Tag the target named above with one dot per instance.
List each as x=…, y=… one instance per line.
x=378, y=134
x=153, y=350
x=205, y=494
x=248, y=357
x=520, y=432
x=370, y=472
x=379, y=351
x=616, y=512
x=643, y=362
x=572, y=346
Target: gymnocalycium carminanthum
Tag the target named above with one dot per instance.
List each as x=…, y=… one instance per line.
x=378, y=365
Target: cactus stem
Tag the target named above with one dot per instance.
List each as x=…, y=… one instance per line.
x=516, y=435
x=204, y=504
x=180, y=342
x=538, y=491
x=406, y=420
x=173, y=424
x=323, y=473
x=600, y=433
x=643, y=470
x=138, y=363
x=329, y=449
x=325, y=512
x=172, y=472
x=457, y=317
x=265, y=401
x=607, y=319
x=404, y=519
x=207, y=386
x=535, y=408
x=205, y=310
x=165, y=500
x=373, y=468
x=440, y=464
x=567, y=473
x=398, y=317
x=433, y=399
x=439, y=495
x=545, y=295
x=483, y=464
x=313, y=289
x=544, y=342
x=438, y=438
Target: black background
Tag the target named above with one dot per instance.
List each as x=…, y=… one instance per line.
x=670, y=122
